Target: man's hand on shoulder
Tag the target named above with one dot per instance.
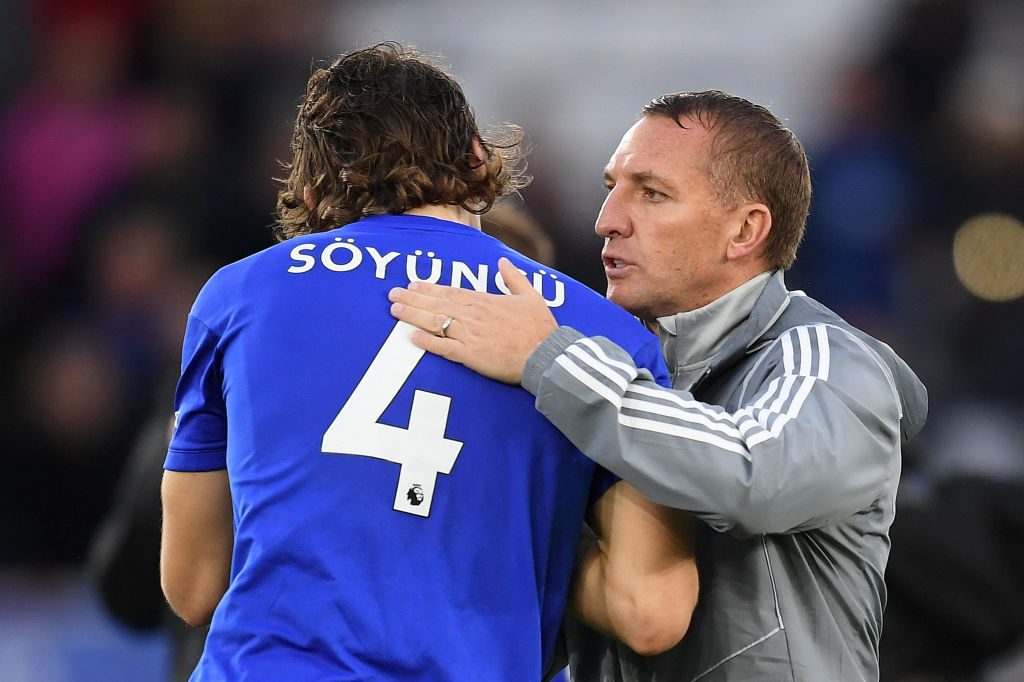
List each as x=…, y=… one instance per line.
x=489, y=333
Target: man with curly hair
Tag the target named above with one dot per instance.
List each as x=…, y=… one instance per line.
x=341, y=505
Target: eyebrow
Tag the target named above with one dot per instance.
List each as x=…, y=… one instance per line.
x=642, y=176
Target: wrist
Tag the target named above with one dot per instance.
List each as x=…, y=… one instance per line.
x=544, y=355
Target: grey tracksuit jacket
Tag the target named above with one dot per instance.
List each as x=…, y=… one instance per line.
x=788, y=449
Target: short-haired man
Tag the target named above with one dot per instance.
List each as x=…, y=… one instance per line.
x=344, y=506
x=784, y=428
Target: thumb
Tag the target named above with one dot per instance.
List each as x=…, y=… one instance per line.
x=516, y=281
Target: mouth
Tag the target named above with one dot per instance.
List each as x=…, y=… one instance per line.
x=616, y=267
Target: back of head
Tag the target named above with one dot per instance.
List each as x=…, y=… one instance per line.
x=752, y=157
x=385, y=130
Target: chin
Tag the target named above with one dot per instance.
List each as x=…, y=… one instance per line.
x=625, y=303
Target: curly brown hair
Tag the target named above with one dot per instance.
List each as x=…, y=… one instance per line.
x=385, y=130
x=752, y=156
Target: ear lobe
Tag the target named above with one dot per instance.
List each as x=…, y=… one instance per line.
x=752, y=233
x=480, y=167
x=308, y=198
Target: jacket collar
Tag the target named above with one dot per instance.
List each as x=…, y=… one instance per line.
x=692, y=340
x=753, y=332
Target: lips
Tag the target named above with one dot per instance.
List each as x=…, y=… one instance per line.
x=615, y=266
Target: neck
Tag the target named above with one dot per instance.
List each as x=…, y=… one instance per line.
x=455, y=214
x=737, y=276
x=734, y=279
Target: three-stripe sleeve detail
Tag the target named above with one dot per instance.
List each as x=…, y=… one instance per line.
x=806, y=358
x=590, y=365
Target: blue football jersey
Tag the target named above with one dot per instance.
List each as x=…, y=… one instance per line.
x=396, y=516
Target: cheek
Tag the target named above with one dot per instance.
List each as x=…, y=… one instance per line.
x=675, y=251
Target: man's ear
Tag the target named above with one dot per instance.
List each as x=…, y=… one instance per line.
x=308, y=197
x=480, y=165
x=754, y=222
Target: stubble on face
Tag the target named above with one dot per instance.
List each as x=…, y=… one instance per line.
x=674, y=240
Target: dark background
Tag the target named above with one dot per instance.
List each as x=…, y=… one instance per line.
x=138, y=139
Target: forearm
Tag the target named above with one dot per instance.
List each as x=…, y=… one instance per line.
x=801, y=453
x=196, y=543
x=625, y=606
x=589, y=598
x=638, y=581
x=590, y=390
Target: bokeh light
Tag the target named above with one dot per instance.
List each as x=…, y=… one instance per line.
x=988, y=255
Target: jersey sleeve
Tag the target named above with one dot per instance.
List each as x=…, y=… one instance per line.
x=199, y=442
x=814, y=439
x=648, y=359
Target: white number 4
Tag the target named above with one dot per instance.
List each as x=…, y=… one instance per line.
x=421, y=449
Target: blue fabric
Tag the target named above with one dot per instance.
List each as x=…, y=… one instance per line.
x=342, y=570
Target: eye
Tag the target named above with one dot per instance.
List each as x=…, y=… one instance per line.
x=652, y=194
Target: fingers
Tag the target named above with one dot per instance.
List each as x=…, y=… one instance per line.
x=432, y=296
x=441, y=292
x=445, y=347
x=425, y=319
x=427, y=306
x=516, y=281
x=416, y=299
x=427, y=312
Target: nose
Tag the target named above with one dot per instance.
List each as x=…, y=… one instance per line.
x=613, y=220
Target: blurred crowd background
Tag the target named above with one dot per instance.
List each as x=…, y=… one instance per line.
x=139, y=139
